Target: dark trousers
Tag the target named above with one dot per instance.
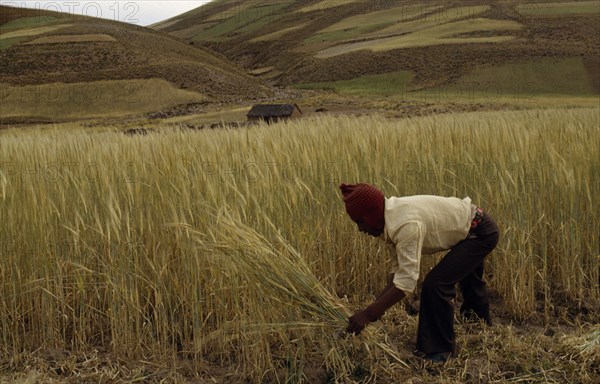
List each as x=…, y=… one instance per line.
x=463, y=265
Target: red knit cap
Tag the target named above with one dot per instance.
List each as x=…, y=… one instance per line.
x=364, y=201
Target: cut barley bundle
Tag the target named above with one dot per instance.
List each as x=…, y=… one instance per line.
x=587, y=346
x=283, y=298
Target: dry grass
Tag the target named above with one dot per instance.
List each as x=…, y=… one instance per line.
x=325, y=4
x=439, y=34
x=189, y=255
x=278, y=34
x=62, y=101
x=56, y=39
x=430, y=19
x=392, y=22
x=28, y=32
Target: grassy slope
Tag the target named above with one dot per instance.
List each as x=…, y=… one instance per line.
x=13, y=22
x=436, y=35
x=401, y=19
x=388, y=84
x=508, y=83
x=124, y=53
x=440, y=42
x=104, y=98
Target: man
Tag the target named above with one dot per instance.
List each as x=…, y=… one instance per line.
x=427, y=224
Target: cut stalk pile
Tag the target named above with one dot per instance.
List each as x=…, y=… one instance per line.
x=281, y=299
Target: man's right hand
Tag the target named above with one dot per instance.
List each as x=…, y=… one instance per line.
x=358, y=322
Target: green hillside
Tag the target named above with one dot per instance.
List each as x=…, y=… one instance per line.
x=58, y=67
x=345, y=43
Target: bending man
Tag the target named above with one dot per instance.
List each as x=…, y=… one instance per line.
x=427, y=224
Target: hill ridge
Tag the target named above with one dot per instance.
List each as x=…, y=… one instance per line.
x=45, y=47
x=438, y=41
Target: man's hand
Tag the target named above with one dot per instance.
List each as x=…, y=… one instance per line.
x=358, y=322
x=373, y=312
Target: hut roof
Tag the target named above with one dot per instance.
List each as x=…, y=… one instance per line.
x=272, y=110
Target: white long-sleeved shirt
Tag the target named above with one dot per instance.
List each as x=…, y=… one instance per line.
x=423, y=224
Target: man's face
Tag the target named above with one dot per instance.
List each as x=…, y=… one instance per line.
x=363, y=226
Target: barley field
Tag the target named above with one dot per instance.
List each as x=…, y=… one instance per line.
x=227, y=256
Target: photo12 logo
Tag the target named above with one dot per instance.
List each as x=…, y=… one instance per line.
x=124, y=11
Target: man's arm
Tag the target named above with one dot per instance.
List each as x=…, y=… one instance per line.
x=409, y=242
x=390, y=283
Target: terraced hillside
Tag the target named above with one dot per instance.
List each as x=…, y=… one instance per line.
x=481, y=47
x=58, y=67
